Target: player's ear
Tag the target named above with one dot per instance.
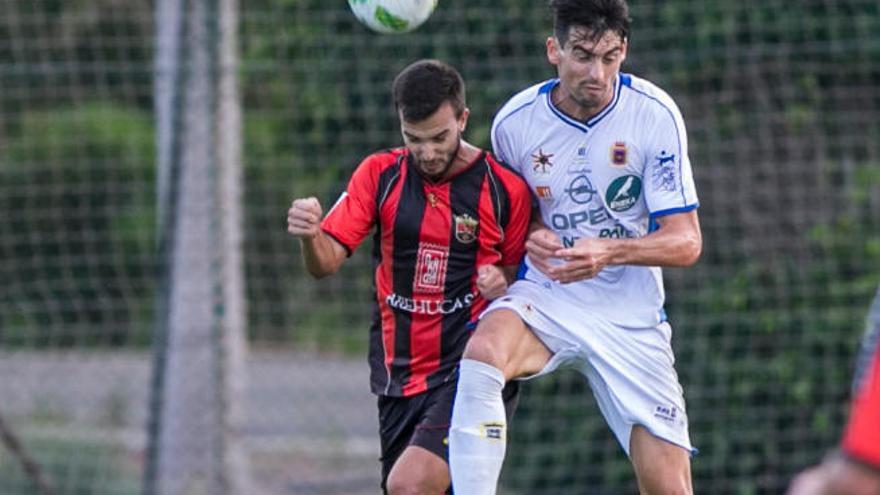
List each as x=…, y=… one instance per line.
x=553, y=50
x=463, y=118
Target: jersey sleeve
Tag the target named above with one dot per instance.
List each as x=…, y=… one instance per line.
x=669, y=181
x=513, y=246
x=861, y=440
x=502, y=144
x=353, y=215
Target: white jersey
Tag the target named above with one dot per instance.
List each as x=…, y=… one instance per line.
x=610, y=176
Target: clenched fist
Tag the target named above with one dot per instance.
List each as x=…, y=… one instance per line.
x=491, y=281
x=304, y=218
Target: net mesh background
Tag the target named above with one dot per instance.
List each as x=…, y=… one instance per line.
x=781, y=102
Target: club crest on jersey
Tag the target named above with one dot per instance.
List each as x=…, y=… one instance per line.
x=623, y=193
x=431, y=268
x=541, y=162
x=618, y=154
x=465, y=228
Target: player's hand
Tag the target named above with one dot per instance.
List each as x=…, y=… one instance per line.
x=491, y=281
x=583, y=261
x=809, y=482
x=541, y=246
x=304, y=218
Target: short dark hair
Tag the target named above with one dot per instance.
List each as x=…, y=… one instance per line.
x=596, y=16
x=421, y=88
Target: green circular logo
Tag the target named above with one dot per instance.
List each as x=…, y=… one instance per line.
x=623, y=193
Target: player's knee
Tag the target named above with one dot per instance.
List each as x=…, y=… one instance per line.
x=670, y=485
x=488, y=344
x=480, y=348
x=676, y=489
x=413, y=485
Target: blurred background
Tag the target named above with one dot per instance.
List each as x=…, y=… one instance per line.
x=782, y=103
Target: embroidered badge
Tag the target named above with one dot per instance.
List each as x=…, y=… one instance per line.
x=466, y=228
x=618, y=154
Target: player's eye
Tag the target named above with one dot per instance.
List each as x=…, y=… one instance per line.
x=581, y=55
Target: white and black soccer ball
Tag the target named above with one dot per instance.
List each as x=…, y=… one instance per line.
x=392, y=16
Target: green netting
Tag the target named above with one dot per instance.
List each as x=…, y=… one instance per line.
x=782, y=103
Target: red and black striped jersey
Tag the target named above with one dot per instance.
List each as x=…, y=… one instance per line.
x=861, y=440
x=429, y=240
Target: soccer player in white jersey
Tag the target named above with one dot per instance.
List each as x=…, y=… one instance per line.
x=605, y=154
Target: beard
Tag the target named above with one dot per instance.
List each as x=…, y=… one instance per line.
x=435, y=169
x=589, y=98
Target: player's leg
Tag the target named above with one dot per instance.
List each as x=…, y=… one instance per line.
x=398, y=417
x=632, y=376
x=502, y=340
x=422, y=431
x=502, y=348
x=423, y=468
x=418, y=471
x=662, y=468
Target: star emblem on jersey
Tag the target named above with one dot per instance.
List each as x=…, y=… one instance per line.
x=465, y=228
x=541, y=162
x=623, y=193
x=618, y=154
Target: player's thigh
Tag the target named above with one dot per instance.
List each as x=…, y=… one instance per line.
x=503, y=340
x=418, y=471
x=662, y=468
x=398, y=417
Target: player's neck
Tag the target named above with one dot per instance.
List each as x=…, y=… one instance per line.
x=465, y=157
x=564, y=102
x=467, y=154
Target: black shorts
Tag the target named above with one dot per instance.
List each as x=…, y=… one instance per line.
x=423, y=420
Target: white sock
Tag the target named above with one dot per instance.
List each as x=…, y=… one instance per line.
x=478, y=432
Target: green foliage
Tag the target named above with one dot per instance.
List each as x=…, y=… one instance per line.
x=71, y=466
x=782, y=116
x=78, y=198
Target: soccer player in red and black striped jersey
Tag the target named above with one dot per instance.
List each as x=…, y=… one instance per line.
x=855, y=468
x=449, y=226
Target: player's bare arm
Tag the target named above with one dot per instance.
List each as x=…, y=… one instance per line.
x=677, y=243
x=837, y=475
x=541, y=243
x=322, y=255
x=535, y=222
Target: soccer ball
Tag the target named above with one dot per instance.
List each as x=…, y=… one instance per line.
x=392, y=16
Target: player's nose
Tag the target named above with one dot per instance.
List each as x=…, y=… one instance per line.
x=429, y=154
x=595, y=71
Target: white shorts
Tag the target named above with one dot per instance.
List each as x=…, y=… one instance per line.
x=630, y=370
